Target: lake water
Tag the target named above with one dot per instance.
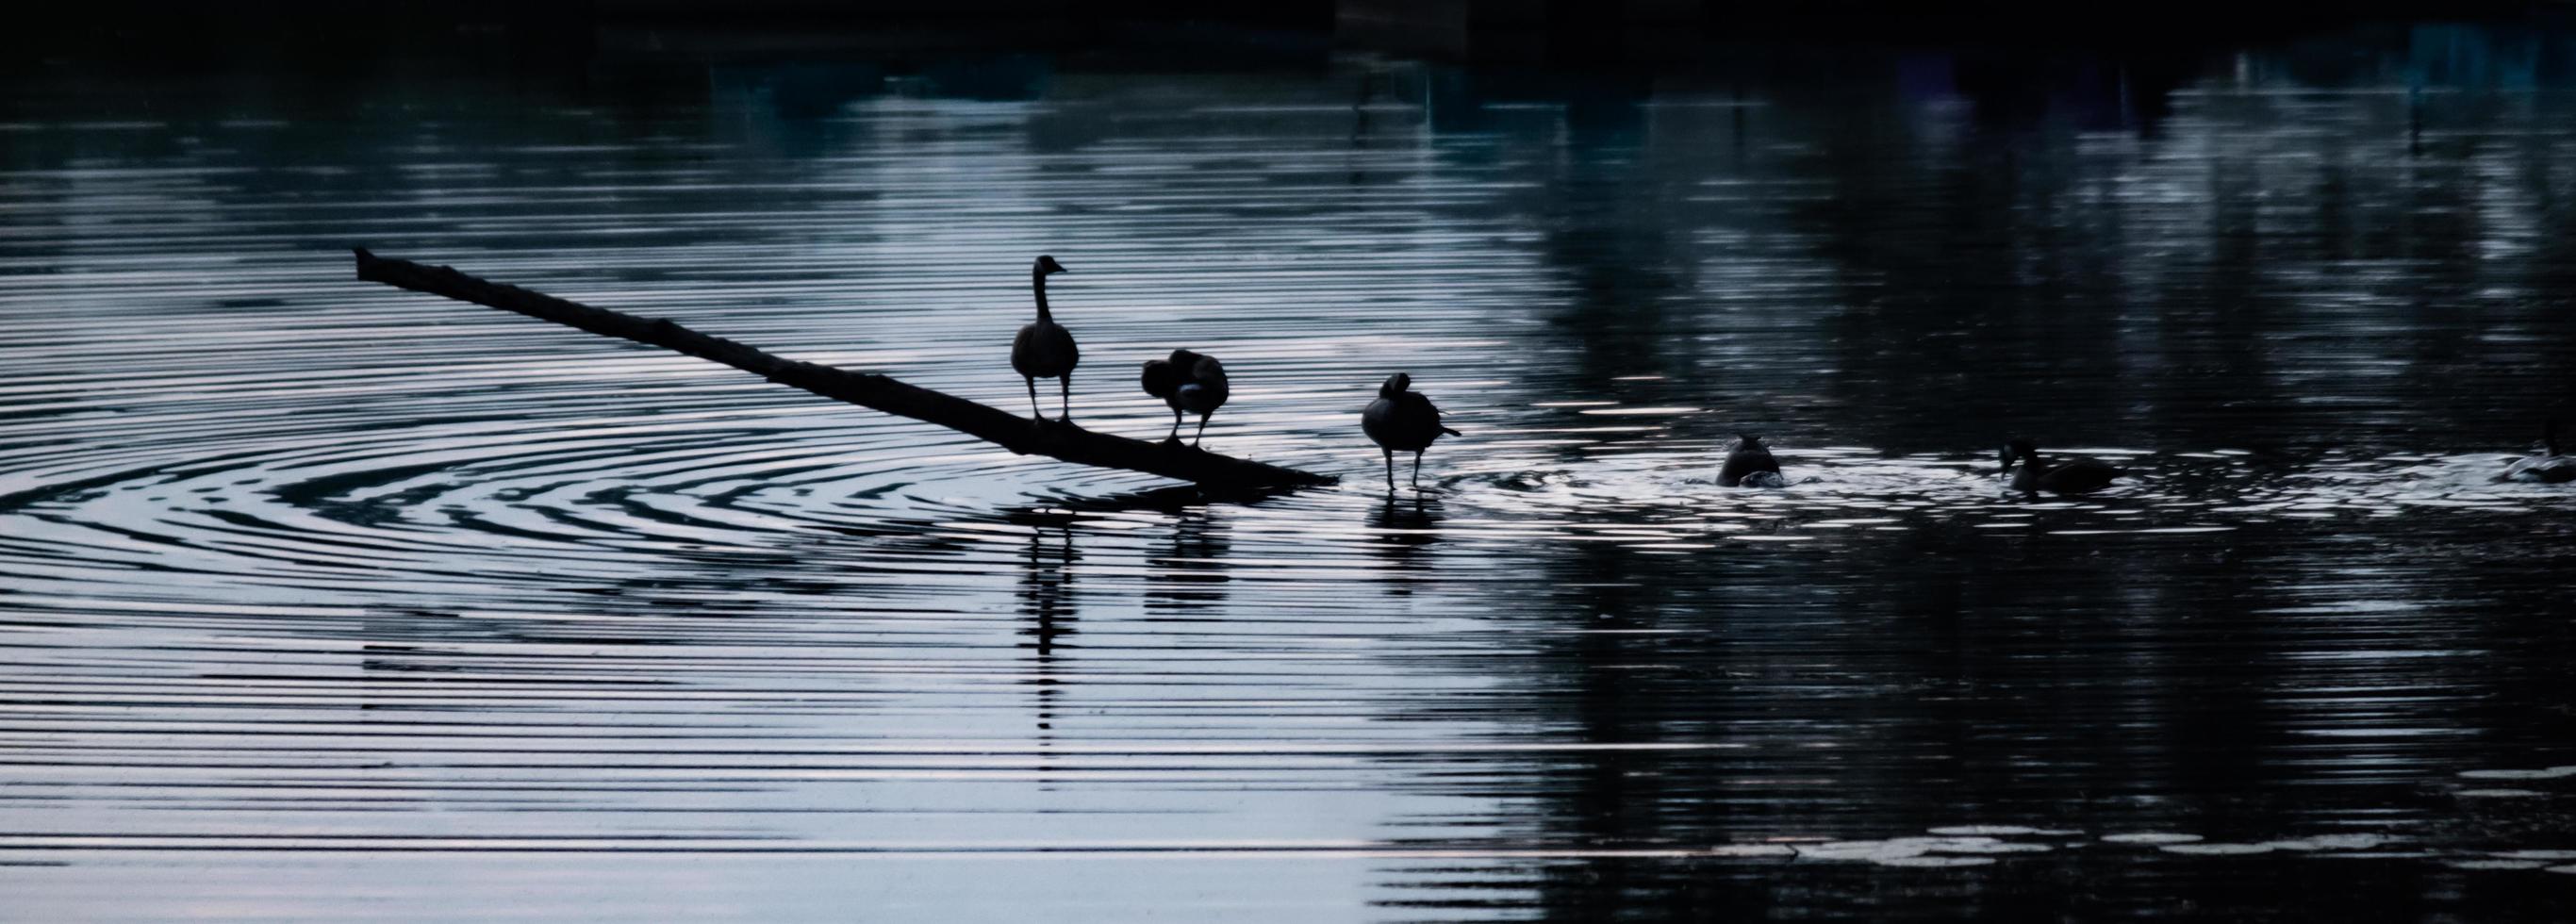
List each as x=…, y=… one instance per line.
x=322, y=600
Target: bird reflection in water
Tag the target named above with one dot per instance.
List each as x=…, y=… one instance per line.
x=1399, y=531
x=1190, y=574
x=1046, y=602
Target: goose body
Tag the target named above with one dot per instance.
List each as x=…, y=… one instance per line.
x=1188, y=383
x=2544, y=469
x=1402, y=420
x=1749, y=464
x=1044, y=349
x=2073, y=476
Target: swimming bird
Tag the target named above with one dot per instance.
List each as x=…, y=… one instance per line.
x=1749, y=464
x=1402, y=419
x=2549, y=469
x=2074, y=476
x=1044, y=349
x=1193, y=382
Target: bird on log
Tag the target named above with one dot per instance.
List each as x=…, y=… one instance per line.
x=1191, y=382
x=1044, y=349
x=867, y=389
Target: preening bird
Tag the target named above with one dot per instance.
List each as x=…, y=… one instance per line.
x=1749, y=464
x=2074, y=476
x=1402, y=420
x=2547, y=469
x=1044, y=349
x=1192, y=382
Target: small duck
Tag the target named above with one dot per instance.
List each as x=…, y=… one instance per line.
x=1749, y=464
x=1044, y=349
x=1193, y=382
x=1402, y=420
x=2548, y=469
x=2074, y=476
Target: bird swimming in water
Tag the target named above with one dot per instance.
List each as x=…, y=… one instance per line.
x=1044, y=349
x=2074, y=476
x=2549, y=469
x=1749, y=464
x=1405, y=420
x=1193, y=382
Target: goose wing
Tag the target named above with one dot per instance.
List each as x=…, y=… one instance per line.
x=1044, y=350
x=2078, y=475
x=1206, y=388
x=1423, y=417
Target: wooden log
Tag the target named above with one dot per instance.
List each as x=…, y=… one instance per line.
x=1008, y=430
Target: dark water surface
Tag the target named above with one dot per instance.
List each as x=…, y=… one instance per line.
x=324, y=600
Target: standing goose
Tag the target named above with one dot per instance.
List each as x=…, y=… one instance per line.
x=1401, y=419
x=1193, y=382
x=1044, y=349
x=1749, y=464
x=2074, y=476
x=2549, y=469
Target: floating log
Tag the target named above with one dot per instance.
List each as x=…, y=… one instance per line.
x=1008, y=430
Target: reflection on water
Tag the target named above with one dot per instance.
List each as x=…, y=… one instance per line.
x=1046, y=598
x=315, y=590
x=1188, y=577
x=1403, y=527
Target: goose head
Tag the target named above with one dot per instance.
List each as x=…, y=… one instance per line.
x=2017, y=449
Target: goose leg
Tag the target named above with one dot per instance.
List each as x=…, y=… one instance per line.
x=1202, y=434
x=1034, y=413
x=1417, y=469
x=1065, y=410
x=1390, y=470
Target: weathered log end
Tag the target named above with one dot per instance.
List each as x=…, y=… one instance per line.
x=1055, y=439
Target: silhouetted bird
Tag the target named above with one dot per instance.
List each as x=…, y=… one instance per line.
x=1749, y=464
x=2549, y=469
x=1192, y=382
x=1405, y=420
x=2074, y=476
x=1044, y=349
